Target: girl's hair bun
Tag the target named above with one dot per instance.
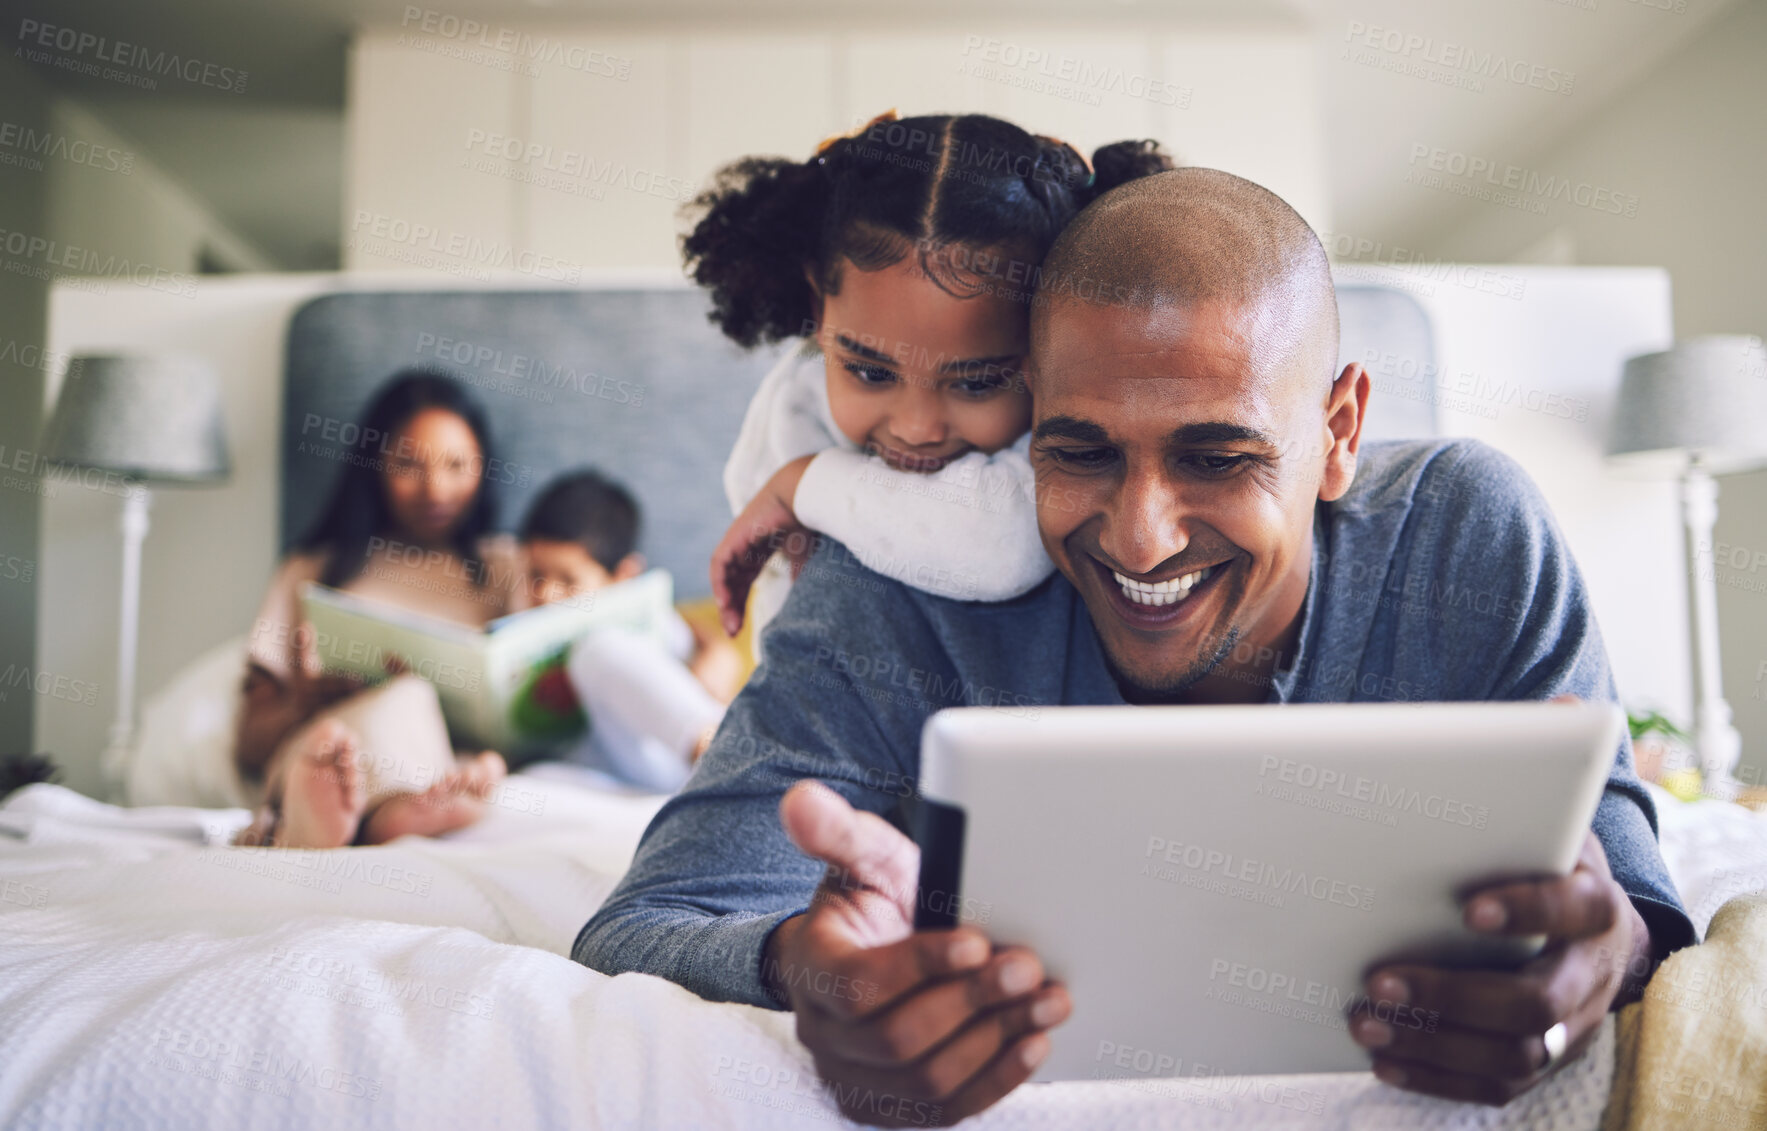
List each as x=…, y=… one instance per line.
x=1124, y=161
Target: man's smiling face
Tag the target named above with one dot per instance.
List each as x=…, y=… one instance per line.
x=1179, y=451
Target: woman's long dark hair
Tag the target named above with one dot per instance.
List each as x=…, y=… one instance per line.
x=358, y=510
x=927, y=183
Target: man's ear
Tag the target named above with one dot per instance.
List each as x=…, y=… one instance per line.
x=1345, y=410
x=630, y=566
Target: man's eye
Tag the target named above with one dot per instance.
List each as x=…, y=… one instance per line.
x=1217, y=464
x=871, y=374
x=1081, y=459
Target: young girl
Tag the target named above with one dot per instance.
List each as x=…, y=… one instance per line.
x=904, y=254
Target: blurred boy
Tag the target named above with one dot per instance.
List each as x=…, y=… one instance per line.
x=652, y=703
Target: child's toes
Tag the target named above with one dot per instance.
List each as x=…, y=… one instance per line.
x=351, y=777
x=328, y=737
x=484, y=773
x=446, y=787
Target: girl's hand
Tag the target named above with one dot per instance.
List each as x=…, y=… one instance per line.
x=758, y=531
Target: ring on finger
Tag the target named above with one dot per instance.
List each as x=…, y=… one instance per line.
x=1555, y=1040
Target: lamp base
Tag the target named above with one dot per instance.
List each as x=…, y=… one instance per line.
x=1720, y=749
x=120, y=750
x=1718, y=742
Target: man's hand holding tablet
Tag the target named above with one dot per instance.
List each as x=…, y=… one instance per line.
x=933, y=1025
x=1492, y=1041
x=897, y=1018
x=909, y=1028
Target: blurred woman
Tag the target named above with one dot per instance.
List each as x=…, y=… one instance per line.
x=408, y=524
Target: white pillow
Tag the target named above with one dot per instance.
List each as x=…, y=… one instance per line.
x=184, y=749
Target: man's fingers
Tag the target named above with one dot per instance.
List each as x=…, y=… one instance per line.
x=996, y=1053
x=1516, y=1004
x=1012, y=1067
x=925, y=1017
x=1576, y=906
x=1472, y=1051
x=949, y=1071
x=1449, y=1084
x=853, y=978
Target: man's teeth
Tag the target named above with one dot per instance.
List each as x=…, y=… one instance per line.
x=1162, y=592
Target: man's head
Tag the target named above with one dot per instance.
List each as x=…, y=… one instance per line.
x=1185, y=420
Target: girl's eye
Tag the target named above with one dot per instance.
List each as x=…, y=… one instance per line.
x=1081, y=459
x=1217, y=463
x=870, y=374
x=980, y=386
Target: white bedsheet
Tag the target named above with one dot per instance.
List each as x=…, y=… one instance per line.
x=149, y=979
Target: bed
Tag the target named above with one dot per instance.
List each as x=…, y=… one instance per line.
x=151, y=978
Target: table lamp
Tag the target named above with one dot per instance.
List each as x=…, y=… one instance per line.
x=1697, y=410
x=141, y=420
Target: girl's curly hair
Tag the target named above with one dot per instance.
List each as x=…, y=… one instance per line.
x=918, y=185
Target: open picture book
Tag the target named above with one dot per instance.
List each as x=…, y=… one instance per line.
x=502, y=687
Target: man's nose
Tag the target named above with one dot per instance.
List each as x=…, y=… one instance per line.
x=1144, y=525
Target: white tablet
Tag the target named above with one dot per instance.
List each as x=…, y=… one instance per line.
x=1213, y=884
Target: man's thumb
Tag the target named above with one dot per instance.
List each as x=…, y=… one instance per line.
x=822, y=825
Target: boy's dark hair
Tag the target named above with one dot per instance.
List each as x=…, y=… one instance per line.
x=589, y=509
x=926, y=183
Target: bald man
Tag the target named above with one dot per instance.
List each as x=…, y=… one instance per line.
x=1221, y=535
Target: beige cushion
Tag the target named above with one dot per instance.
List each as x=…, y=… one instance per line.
x=1693, y=1053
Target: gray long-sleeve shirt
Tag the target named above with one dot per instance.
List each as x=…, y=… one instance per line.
x=1439, y=576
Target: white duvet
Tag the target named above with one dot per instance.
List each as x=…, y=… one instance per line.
x=149, y=978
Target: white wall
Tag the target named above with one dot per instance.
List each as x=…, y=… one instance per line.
x=1529, y=362
x=123, y=208
x=616, y=154
x=1689, y=143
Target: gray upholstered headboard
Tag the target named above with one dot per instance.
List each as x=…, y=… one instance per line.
x=1389, y=331
x=635, y=382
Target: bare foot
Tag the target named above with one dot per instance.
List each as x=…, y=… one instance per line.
x=454, y=802
x=323, y=789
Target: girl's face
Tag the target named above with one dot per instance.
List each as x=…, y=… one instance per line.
x=431, y=475
x=920, y=376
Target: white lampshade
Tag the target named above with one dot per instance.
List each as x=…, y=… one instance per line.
x=156, y=419
x=1705, y=399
